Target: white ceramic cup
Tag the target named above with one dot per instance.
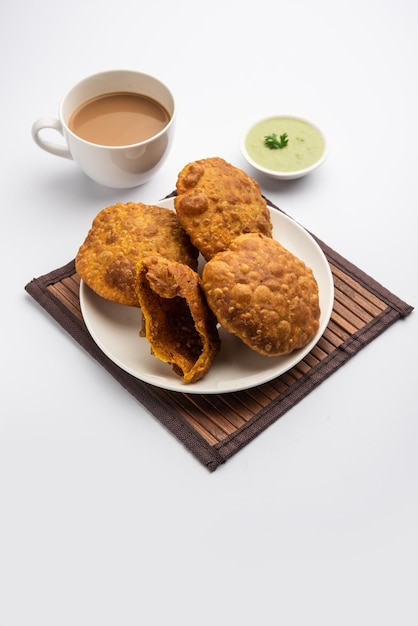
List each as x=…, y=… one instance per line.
x=112, y=166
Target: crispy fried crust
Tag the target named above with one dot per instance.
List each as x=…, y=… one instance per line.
x=179, y=325
x=216, y=202
x=119, y=237
x=264, y=294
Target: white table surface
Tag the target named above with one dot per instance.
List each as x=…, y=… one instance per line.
x=105, y=519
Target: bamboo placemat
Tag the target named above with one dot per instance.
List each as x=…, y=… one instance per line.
x=215, y=427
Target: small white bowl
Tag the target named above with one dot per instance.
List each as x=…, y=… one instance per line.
x=305, y=151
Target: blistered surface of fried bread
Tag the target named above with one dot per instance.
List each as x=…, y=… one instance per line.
x=264, y=294
x=119, y=237
x=216, y=202
x=179, y=325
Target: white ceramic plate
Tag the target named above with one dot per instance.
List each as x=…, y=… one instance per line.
x=115, y=329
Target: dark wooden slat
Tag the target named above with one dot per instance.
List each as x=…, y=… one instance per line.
x=356, y=292
x=67, y=297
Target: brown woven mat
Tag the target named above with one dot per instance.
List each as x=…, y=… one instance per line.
x=215, y=427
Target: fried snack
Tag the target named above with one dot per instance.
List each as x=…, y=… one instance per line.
x=264, y=294
x=216, y=202
x=119, y=237
x=179, y=325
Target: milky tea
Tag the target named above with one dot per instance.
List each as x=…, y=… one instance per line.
x=118, y=119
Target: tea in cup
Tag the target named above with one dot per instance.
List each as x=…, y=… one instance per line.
x=117, y=125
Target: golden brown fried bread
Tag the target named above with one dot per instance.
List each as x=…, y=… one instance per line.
x=264, y=294
x=216, y=202
x=179, y=325
x=119, y=237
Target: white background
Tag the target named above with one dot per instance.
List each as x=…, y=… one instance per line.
x=105, y=519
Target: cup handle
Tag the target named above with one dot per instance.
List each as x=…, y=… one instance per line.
x=49, y=146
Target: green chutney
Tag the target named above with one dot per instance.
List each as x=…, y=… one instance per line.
x=304, y=148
